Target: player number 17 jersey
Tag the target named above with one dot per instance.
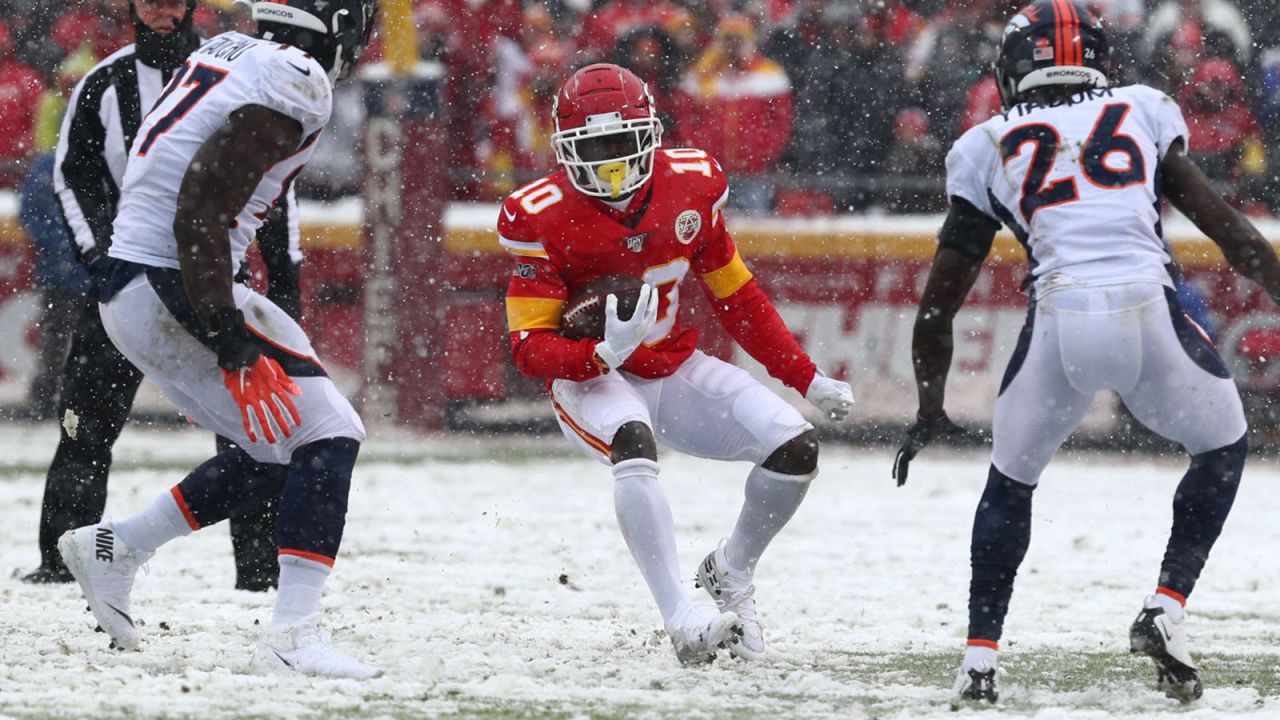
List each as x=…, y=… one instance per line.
x=227, y=73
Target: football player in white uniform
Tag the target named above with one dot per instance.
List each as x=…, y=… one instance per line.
x=1076, y=169
x=226, y=137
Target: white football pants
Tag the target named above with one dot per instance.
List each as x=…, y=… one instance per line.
x=187, y=372
x=707, y=408
x=1133, y=339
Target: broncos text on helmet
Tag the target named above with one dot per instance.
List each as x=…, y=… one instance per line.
x=334, y=32
x=1051, y=43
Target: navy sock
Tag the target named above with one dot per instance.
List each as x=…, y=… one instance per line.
x=1001, y=534
x=229, y=484
x=1200, y=508
x=313, y=508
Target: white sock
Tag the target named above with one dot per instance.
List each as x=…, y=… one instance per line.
x=155, y=525
x=644, y=516
x=301, y=582
x=979, y=657
x=1171, y=606
x=771, y=499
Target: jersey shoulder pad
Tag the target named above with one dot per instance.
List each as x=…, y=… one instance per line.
x=969, y=164
x=698, y=170
x=979, y=145
x=292, y=83
x=524, y=213
x=1162, y=115
x=1141, y=93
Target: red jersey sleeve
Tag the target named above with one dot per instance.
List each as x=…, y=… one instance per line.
x=743, y=308
x=536, y=294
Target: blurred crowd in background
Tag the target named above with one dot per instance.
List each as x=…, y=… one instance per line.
x=811, y=106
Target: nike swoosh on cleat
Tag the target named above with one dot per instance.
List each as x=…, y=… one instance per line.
x=304, y=71
x=510, y=215
x=124, y=615
x=286, y=662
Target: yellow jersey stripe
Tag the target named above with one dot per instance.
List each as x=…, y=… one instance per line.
x=729, y=279
x=526, y=313
x=523, y=249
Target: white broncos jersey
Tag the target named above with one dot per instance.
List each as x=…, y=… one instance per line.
x=1077, y=183
x=227, y=73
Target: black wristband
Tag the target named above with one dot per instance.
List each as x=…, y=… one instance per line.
x=230, y=339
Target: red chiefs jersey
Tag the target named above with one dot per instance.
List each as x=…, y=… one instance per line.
x=563, y=239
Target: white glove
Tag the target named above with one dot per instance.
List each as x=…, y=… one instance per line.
x=833, y=397
x=622, y=337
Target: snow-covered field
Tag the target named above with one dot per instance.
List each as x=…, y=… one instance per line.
x=488, y=579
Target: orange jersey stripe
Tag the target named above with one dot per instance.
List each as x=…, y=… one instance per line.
x=314, y=557
x=182, y=505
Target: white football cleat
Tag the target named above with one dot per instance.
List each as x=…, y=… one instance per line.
x=976, y=680
x=105, y=568
x=1155, y=634
x=733, y=592
x=304, y=648
x=975, y=686
x=699, y=630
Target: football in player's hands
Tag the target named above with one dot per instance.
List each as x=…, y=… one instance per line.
x=584, y=312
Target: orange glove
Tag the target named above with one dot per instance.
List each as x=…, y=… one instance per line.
x=262, y=390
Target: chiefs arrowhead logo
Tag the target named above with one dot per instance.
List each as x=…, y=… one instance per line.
x=688, y=224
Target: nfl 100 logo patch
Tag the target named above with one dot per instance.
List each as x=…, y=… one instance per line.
x=635, y=243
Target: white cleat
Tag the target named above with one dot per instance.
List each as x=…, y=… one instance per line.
x=1157, y=636
x=105, y=568
x=975, y=685
x=977, y=679
x=304, y=648
x=699, y=630
x=733, y=592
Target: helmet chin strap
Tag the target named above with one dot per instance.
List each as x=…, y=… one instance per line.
x=613, y=173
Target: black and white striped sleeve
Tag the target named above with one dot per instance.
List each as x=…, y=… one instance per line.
x=86, y=191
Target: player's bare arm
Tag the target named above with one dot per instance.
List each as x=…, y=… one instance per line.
x=217, y=186
x=963, y=243
x=1244, y=247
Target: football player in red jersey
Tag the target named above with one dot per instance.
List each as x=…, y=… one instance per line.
x=622, y=205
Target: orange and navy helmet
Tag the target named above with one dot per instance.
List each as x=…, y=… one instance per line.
x=1051, y=43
